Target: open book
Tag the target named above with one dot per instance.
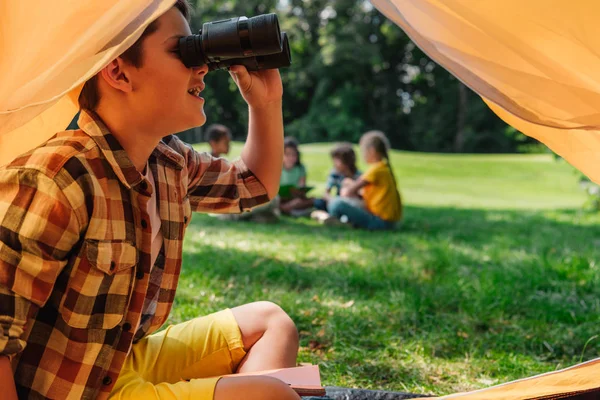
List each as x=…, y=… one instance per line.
x=305, y=380
x=285, y=191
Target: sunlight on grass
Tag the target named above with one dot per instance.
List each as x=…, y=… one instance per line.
x=494, y=276
x=506, y=181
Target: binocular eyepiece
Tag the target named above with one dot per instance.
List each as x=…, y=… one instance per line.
x=256, y=43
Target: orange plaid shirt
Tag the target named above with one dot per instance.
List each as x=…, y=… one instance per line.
x=76, y=285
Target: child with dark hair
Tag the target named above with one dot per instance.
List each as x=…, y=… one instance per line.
x=344, y=172
x=218, y=137
x=293, y=174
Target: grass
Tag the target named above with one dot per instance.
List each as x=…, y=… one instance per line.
x=492, y=277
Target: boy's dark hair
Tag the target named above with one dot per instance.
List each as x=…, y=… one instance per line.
x=89, y=96
x=345, y=153
x=292, y=143
x=216, y=132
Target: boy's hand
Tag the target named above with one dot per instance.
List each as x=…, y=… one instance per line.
x=259, y=88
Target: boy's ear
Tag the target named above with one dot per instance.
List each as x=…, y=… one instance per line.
x=116, y=74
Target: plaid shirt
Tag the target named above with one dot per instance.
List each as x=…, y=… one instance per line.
x=76, y=284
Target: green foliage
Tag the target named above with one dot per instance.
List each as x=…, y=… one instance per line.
x=592, y=190
x=354, y=70
x=479, y=286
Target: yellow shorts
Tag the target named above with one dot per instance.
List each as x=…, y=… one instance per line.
x=184, y=361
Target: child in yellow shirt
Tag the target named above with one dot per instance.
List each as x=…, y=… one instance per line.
x=383, y=204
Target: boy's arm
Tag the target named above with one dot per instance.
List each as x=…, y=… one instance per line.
x=7, y=382
x=263, y=151
x=217, y=185
x=38, y=229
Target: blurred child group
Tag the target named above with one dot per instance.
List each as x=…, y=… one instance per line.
x=368, y=200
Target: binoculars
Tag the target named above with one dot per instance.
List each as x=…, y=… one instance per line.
x=256, y=43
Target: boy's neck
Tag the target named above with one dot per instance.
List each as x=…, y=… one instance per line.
x=138, y=142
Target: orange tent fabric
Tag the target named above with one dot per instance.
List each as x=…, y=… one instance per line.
x=535, y=62
x=49, y=49
x=579, y=379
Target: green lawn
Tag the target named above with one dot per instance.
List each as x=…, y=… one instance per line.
x=493, y=276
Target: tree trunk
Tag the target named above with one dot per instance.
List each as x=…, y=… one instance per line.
x=461, y=117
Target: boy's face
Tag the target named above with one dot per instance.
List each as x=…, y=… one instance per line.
x=220, y=146
x=160, y=86
x=339, y=165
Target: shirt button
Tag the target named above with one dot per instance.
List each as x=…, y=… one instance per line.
x=107, y=380
x=126, y=327
x=139, y=274
x=144, y=224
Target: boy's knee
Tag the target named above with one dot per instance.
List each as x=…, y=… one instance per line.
x=255, y=319
x=278, y=320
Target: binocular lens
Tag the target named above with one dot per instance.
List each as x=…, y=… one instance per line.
x=257, y=40
x=265, y=35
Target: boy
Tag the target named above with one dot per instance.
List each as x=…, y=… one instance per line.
x=218, y=137
x=91, y=229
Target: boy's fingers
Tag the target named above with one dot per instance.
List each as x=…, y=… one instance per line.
x=237, y=68
x=241, y=76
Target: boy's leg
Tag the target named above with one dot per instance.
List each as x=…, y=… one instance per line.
x=269, y=335
x=180, y=361
x=253, y=388
x=271, y=341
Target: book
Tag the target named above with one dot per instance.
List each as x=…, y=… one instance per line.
x=285, y=191
x=305, y=380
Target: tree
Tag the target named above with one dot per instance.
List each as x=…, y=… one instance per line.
x=354, y=70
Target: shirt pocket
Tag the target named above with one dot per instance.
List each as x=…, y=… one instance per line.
x=100, y=285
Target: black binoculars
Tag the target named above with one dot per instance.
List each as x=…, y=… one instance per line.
x=256, y=43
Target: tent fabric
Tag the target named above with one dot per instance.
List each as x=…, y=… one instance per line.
x=552, y=385
x=49, y=49
x=535, y=62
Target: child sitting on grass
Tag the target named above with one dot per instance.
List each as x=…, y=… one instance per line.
x=383, y=204
x=293, y=174
x=343, y=174
x=218, y=137
x=92, y=225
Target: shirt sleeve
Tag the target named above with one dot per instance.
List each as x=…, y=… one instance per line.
x=370, y=175
x=220, y=186
x=14, y=311
x=38, y=229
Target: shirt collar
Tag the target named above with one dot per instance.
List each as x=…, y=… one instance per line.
x=116, y=156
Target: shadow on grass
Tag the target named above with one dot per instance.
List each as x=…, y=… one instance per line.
x=558, y=231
